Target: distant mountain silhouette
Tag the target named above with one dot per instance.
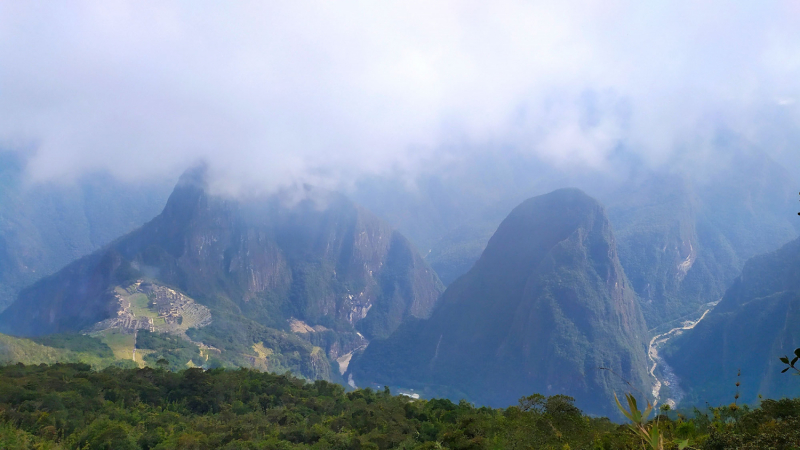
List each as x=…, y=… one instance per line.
x=44, y=226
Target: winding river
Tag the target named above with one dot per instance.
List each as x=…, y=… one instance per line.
x=664, y=377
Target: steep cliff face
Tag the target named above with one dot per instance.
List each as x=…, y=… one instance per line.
x=683, y=239
x=754, y=324
x=547, y=308
x=659, y=246
x=305, y=255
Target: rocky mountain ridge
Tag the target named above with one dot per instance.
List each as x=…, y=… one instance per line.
x=254, y=263
x=741, y=339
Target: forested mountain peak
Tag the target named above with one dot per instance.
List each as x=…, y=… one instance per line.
x=547, y=308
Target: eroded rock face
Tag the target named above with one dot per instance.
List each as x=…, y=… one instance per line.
x=306, y=253
x=322, y=256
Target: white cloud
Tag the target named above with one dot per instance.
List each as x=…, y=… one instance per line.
x=275, y=92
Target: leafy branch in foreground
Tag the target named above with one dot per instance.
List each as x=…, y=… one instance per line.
x=791, y=364
x=649, y=433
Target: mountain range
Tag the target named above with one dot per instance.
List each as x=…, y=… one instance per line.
x=684, y=230
x=559, y=296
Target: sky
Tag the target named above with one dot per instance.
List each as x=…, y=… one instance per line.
x=272, y=93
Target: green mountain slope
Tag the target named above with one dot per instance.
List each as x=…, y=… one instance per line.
x=547, y=308
x=755, y=323
x=306, y=274
x=57, y=349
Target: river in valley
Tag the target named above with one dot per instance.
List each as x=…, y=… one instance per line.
x=666, y=383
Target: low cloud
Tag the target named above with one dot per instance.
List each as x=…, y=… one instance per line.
x=272, y=93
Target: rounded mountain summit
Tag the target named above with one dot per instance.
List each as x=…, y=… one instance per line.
x=546, y=309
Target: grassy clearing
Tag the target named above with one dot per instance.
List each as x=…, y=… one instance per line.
x=139, y=306
x=120, y=343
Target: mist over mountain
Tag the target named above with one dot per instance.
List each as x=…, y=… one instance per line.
x=547, y=308
x=683, y=238
x=683, y=233
x=479, y=200
x=46, y=226
x=754, y=324
x=301, y=262
x=275, y=94
x=450, y=215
